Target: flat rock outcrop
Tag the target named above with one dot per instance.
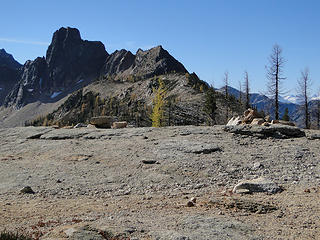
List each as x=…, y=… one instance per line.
x=257, y=185
x=135, y=183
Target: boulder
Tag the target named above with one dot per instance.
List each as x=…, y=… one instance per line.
x=282, y=122
x=257, y=185
x=257, y=121
x=274, y=130
x=250, y=114
x=234, y=121
x=116, y=125
x=267, y=118
x=102, y=121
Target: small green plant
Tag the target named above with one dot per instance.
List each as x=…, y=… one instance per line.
x=5, y=235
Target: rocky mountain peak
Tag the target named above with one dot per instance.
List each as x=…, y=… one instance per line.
x=156, y=61
x=118, y=62
x=70, y=58
x=7, y=60
x=145, y=64
x=70, y=62
x=67, y=34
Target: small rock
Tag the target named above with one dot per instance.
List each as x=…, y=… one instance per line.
x=234, y=121
x=131, y=230
x=149, y=161
x=267, y=118
x=282, y=122
x=190, y=204
x=314, y=136
x=80, y=125
x=250, y=115
x=27, y=190
x=257, y=165
x=280, y=215
x=243, y=191
x=257, y=185
x=257, y=121
x=116, y=125
x=193, y=199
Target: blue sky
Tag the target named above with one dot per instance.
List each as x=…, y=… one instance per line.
x=208, y=36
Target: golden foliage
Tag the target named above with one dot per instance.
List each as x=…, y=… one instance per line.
x=157, y=115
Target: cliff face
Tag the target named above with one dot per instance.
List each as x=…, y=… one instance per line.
x=69, y=62
x=33, y=81
x=71, y=59
x=9, y=74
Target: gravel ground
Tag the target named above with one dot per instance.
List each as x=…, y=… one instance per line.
x=136, y=183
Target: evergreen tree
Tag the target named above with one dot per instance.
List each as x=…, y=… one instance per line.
x=285, y=116
x=157, y=115
x=226, y=93
x=210, y=105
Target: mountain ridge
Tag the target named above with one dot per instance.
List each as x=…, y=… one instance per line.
x=120, y=81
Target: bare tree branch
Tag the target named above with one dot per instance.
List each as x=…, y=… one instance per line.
x=274, y=76
x=247, y=90
x=304, y=85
